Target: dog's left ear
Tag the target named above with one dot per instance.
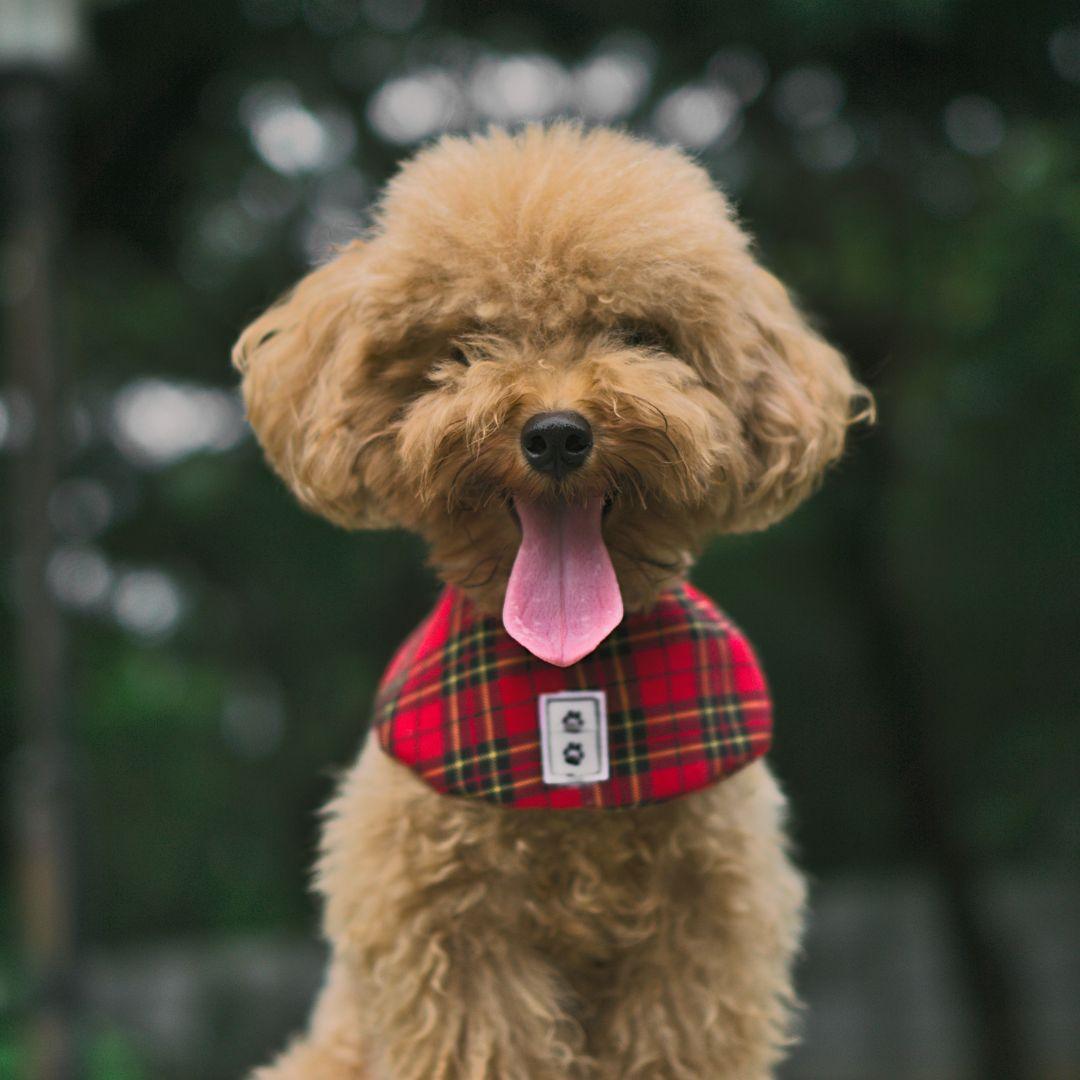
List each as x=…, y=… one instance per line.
x=798, y=399
x=309, y=395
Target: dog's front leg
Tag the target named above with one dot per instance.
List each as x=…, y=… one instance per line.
x=426, y=920
x=708, y=995
x=465, y=1004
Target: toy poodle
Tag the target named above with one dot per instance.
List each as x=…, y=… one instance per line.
x=560, y=854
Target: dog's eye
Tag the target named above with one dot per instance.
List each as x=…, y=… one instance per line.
x=644, y=336
x=457, y=354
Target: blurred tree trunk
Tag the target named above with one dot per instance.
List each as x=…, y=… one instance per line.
x=911, y=718
x=42, y=784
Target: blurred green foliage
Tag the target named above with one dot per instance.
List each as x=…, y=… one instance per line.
x=948, y=276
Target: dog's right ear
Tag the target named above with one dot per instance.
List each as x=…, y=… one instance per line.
x=795, y=398
x=303, y=365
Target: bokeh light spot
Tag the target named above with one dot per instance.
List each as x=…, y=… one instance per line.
x=79, y=577
x=974, y=125
x=809, y=96
x=227, y=231
x=524, y=87
x=1064, y=50
x=414, y=107
x=291, y=138
x=147, y=603
x=829, y=147
x=697, y=116
x=156, y=422
x=16, y=419
x=615, y=80
x=741, y=70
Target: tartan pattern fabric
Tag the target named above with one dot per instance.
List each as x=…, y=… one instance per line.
x=687, y=705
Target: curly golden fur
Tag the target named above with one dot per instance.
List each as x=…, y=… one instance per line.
x=507, y=275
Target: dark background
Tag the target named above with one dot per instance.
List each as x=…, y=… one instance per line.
x=908, y=167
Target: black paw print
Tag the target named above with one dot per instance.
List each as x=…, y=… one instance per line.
x=573, y=753
x=572, y=721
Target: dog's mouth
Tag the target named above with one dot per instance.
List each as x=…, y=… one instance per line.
x=562, y=598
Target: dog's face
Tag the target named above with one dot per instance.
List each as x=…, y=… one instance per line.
x=553, y=356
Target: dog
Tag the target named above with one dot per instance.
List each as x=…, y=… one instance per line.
x=555, y=358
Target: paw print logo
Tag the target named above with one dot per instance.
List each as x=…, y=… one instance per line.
x=572, y=721
x=573, y=753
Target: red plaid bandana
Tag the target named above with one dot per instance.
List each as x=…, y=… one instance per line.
x=686, y=705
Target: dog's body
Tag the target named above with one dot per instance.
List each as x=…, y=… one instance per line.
x=473, y=941
x=508, y=281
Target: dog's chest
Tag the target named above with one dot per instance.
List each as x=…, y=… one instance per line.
x=586, y=887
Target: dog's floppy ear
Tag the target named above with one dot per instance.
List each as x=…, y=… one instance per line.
x=303, y=364
x=799, y=400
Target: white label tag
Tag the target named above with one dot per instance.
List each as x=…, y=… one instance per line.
x=573, y=736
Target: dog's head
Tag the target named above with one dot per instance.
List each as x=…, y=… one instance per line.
x=556, y=359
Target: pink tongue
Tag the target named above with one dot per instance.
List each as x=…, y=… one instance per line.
x=562, y=599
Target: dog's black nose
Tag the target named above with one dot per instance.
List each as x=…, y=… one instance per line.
x=556, y=442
